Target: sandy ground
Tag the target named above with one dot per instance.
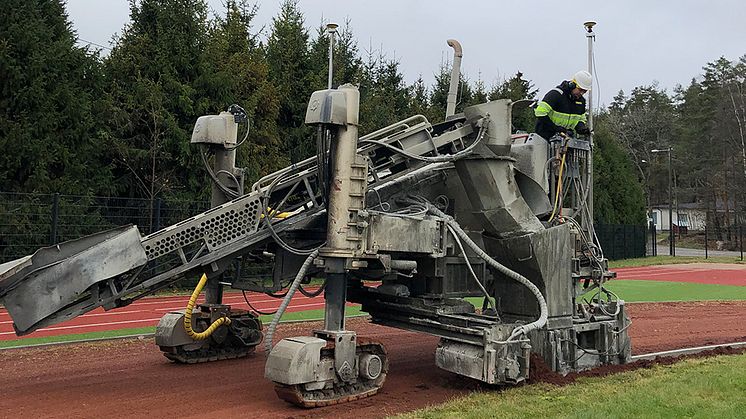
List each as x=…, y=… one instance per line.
x=131, y=378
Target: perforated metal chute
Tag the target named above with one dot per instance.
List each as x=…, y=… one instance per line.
x=218, y=227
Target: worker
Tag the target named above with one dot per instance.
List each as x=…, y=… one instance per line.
x=563, y=108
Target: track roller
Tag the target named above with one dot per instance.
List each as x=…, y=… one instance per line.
x=371, y=364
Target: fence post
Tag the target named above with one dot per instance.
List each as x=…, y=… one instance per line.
x=705, y=241
x=653, y=238
x=55, y=216
x=157, y=215
x=740, y=239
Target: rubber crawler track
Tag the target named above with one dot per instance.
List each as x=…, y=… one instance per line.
x=298, y=396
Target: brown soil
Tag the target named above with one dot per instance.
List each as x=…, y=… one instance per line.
x=131, y=378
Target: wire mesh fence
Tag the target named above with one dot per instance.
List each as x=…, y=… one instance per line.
x=622, y=241
x=30, y=221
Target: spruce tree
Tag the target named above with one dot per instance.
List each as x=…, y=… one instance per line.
x=617, y=192
x=517, y=88
x=238, y=73
x=347, y=64
x=384, y=97
x=290, y=72
x=151, y=76
x=52, y=127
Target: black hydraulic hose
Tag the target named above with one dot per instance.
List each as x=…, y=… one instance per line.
x=314, y=293
x=264, y=313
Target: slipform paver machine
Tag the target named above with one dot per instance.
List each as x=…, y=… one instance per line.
x=407, y=221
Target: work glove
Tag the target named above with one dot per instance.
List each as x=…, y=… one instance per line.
x=582, y=129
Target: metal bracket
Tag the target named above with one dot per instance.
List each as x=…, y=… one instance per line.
x=345, y=347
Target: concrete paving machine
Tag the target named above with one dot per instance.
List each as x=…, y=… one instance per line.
x=407, y=221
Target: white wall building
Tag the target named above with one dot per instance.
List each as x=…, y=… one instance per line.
x=693, y=216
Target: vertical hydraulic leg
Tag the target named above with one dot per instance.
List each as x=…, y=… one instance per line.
x=335, y=296
x=240, y=336
x=343, y=341
x=225, y=163
x=334, y=366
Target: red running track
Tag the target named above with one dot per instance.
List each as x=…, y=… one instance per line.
x=148, y=311
x=702, y=273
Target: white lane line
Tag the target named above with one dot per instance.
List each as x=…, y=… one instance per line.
x=658, y=274
x=108, y=313
x=184, y=300
x=78, y=326
x=319, y=304
x=112, y=313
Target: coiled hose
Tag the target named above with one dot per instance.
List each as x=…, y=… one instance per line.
x=544, y=313
x=286, y=301
x=188, y=315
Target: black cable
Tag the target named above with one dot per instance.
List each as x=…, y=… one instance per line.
x=228, y=191
x=312, y=294
x=273, y=295
x=245, y=137
x=267, y=220
x=265, y=313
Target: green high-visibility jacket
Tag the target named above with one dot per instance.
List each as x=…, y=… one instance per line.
x=559, y=110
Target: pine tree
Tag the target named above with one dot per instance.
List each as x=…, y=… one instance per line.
x=347, y=64
x=51, y=124
x=384, y=97
x=152, y=71
x=419, y=102
x=480, y=91
x=290, y=72
x=618, y=194
x=642, y=122
x=517, y=88
x=439, y=93
x=238, y=73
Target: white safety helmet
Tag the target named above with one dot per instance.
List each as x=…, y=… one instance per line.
x=583, y=80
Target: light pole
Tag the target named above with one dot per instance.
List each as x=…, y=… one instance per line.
x=672, y=249
x=650, y=225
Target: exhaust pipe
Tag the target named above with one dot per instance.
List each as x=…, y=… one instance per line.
x=455, y=73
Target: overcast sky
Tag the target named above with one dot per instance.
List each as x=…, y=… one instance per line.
x=637, y=42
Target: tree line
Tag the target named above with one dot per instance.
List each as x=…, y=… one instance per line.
x=76, y=121
x=704, y=124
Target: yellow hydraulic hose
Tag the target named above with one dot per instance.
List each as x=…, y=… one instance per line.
x=188, y=315
x=274, y=214
x=559, y=187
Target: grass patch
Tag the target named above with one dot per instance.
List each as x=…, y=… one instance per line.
x=311, y=315
x=651, y=291
x=636, y=291
x=288, y=317
x=671, y=260
x=77, y=337
x=705, y=387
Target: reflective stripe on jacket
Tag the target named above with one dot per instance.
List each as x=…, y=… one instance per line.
x=562, y=108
